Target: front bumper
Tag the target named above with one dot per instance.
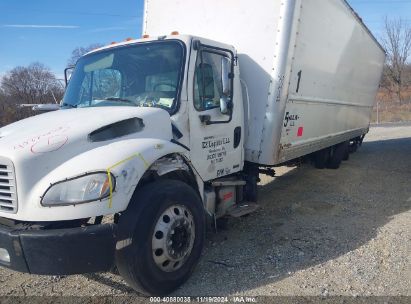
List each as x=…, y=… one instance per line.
x=59, y=251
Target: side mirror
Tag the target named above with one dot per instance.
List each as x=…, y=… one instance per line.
x=225, y=75
x=226, y=83
x=224, y=109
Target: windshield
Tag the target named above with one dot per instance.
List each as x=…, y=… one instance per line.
x=145, y=75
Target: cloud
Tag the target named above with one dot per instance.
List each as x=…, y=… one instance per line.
x=107, y=29
x=41, y=26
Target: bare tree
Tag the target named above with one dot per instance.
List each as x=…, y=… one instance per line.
x=397, y=43
x=8, y=112
x=32, y=84
x=80, y=51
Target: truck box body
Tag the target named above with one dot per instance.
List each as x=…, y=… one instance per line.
x=310, y=69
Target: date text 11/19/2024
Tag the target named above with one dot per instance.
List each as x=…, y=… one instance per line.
x=236, y=299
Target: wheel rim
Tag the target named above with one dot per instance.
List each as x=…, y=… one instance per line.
x=173, y=238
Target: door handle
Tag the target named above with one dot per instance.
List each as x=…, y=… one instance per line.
x=205, y=119
x=237, y=137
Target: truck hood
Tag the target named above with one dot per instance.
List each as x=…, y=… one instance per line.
x=63, y=134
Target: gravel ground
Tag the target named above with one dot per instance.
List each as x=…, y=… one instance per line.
x=317, y=233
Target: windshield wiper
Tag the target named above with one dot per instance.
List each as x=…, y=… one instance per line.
x=69, y=105
x=119, y=99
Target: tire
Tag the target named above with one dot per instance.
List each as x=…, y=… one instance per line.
x=337, y=155
x=160, y=212
x=321, y=158
x=347, y=151
x=353, y=147
x=252, y=179
x=251, y=189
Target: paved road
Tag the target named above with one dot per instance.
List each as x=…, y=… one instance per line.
x=318, y=232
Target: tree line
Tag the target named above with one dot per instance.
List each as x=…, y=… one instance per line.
x=24, y=86
x=396, y=80
x=36, y=83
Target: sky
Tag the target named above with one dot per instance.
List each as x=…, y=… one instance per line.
x=47, y=31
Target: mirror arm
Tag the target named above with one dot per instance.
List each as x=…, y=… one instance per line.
x=230, y=104
x=65, y=73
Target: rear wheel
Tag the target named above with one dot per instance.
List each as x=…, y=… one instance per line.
x=337, y=155
x=321, y=158
x=347, y=152
x=166, y=225
x=353, y=147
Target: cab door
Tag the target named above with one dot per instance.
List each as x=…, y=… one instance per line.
x=215, y=112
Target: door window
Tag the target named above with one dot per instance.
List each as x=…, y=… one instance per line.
x=208, y=87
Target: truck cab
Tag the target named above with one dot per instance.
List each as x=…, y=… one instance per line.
x=196, y=81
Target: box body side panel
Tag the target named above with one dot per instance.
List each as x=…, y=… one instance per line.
x=335, y=72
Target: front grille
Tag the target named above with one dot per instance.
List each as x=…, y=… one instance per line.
x=8, y=191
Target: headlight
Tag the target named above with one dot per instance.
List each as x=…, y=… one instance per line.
x=83, y=189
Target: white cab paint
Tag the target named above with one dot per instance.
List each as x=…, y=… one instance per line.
x=52, y=147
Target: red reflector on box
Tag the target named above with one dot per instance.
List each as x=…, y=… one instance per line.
x=228, y=196
x=300, y=131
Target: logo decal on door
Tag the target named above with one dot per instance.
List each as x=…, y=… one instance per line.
x=216, y=148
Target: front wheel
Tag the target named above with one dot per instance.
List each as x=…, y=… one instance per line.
x=166, y=225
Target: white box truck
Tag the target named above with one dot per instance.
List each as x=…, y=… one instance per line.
x=160, y=136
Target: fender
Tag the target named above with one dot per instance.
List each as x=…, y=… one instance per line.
x=127, y=160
